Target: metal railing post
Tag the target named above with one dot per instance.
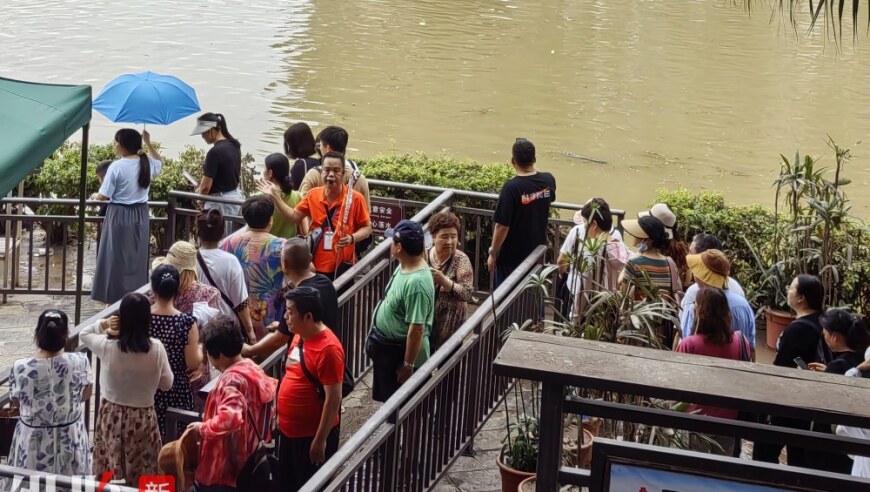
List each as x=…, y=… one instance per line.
x=550, y=444
x=80, y=263
x=387, y=472
x=169, y=234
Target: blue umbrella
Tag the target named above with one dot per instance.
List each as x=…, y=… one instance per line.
x=146, y=97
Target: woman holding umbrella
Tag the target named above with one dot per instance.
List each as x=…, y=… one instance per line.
x=122, y=259
x=223, y=163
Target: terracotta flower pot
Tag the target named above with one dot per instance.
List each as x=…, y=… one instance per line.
x=593, y=425
x=510, y=478
x=775, y=323
x=528, y=485
x=584, y=452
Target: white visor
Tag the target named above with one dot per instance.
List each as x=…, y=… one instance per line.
x=203, y=126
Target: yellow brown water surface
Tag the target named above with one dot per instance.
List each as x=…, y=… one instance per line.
x=693, y=93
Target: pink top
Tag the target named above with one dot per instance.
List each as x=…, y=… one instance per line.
x=696, y=344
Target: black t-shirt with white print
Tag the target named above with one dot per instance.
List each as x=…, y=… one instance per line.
x=524, y=206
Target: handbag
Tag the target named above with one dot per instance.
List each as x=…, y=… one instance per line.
x=378, y=345
x=9, y=417
x=226, y=298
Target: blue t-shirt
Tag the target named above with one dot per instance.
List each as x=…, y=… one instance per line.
x=121, y=184
x=742, y=317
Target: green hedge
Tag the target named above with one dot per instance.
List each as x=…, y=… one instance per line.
x=58, y=177
x=736, y=226
x=443, y=171
x=743, y=229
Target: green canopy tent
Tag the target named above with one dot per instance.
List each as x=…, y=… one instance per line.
x=36, y=119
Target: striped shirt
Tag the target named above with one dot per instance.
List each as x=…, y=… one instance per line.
x=639, y=268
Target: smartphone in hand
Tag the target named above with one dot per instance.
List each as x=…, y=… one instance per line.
x=801, y=364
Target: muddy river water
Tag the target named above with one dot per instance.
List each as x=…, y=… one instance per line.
x=695, y=92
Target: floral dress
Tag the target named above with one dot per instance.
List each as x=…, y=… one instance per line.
x=451, y=306
x=260, y=256
x=50, y=435
x=184, y=301
x=197, y=292
x=173, y=331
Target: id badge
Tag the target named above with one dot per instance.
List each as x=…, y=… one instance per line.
x=327, y=240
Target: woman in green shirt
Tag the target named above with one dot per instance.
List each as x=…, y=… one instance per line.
x=278, y=172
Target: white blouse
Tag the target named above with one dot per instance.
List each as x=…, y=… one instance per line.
x=129, y=379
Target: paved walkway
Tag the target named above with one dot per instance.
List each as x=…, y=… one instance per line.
x=18, y=321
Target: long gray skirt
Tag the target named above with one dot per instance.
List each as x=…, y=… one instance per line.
x=122, y=259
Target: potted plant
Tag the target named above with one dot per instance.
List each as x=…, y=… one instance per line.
x=518, y=459
x=528, y=485
x=811, y=220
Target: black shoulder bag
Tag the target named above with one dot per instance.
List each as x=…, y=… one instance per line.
x=346, y=385
x=225, y=297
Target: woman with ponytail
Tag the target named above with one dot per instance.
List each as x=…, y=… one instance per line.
x=847, y=337
x=180, y=337
x=222, y=169
x=49, y=388
x=122, y=257
x=278, y=173
x=188, y=293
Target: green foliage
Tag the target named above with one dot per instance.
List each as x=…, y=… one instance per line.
x=58, y=177
x=768, y=248
x=521, y=444
x=737, y=227
x=444, y=172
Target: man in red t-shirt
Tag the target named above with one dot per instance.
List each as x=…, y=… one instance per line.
x=308, y=403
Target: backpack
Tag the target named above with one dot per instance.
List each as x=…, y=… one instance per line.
x=260, y=472
x=347, y=383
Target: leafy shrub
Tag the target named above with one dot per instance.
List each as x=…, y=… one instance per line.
x=444, y=172
x=733, y=225
x=743, y=229
x=58, y=177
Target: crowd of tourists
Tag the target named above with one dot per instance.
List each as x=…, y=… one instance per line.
x=218, y=308
x=212, y=311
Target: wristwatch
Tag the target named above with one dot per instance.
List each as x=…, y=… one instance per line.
x=405, y=364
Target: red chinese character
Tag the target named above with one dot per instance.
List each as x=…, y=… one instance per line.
x=156, y=483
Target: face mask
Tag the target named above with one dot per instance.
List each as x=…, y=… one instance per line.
x=642, y=247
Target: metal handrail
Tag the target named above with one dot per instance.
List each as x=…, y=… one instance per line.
x=472, y=194
x=369, y=261
x=390, y=413
x=205, y=198
x=73, y=202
